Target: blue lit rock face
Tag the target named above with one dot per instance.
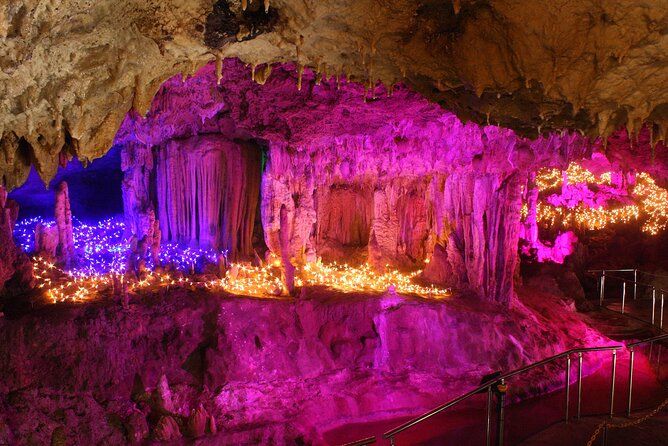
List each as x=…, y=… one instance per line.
x=95, y=191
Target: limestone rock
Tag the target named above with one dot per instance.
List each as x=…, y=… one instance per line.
x=199, y=422
x=63, y=215
x=137, y=428
x=167, y=429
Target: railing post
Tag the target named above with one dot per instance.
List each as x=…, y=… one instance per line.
x=568, y=382
x=651, y=347
x=661, y=317
x=602, y=290
x=628, y=408
x=501, y=389
x=658, y=359
x=489, y=416
x=579, y=381
x=623, y=295
x=612, y=382
x=635, y=284
x=392, y=441
x=653, y=303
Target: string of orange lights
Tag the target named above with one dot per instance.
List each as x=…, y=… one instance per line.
x=240, y=279
x=651, y=202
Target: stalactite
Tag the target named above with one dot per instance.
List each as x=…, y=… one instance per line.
x=219, y=69
x=207, y=193
x=300, y=74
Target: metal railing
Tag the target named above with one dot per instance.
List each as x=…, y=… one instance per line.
x=499, y=387
x=604, y=274
x=362, y=442
x=631, y=347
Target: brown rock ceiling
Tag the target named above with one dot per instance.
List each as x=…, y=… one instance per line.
x=71, y=69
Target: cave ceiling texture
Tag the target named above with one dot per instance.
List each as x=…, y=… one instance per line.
x=71, y=70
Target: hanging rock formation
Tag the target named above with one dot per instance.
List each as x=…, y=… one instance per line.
x=69, y=75
x=390, y=183
x=204, y=191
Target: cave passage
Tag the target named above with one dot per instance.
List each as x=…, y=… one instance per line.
x=218, y=173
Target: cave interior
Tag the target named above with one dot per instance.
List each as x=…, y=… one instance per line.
x=227, y=223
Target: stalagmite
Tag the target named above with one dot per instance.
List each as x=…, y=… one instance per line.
x=63, y=214
x=288, y=268
x=46, y=240
x=14, y=264
x=138, y=167
x=197, y=422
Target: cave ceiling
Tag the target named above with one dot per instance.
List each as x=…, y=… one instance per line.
x=70, y=70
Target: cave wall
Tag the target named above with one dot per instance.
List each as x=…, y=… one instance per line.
x=389, y=181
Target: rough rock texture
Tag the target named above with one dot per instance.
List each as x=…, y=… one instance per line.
x=14, y=264
x=204, y=191
x=63, y=216
x=384, y=181
x=294, y=369
x=207, y=192
x=70, y=73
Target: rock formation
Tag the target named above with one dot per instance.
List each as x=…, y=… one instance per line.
x=14, y=264
x=63, y=216
x=301, y=363
x=70, y=74
x=342, y=179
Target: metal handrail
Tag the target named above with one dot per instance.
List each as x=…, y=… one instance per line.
x=362, y=442
x=648, y=340
x=631, y=347
x=663, y=292
x=633, y=282
x=501, y=379
x=624, y=270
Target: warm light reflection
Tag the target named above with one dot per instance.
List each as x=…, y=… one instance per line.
x=240, y=279
x=651, y=201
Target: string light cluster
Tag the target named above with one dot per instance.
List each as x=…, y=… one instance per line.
x=347, y=278
x=103, y=247
x=651, y=201
x=103, y=250
x=552, y=178
x=655, y=203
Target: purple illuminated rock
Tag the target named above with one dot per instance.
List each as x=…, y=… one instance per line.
x=14, y=264
x=305, y=365
x=385, y=181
